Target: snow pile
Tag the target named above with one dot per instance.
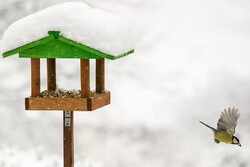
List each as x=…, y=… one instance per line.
x=75, y=20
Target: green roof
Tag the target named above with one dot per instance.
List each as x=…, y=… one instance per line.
x=57, y=46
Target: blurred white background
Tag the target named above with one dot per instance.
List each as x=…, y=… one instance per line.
x=191, y=61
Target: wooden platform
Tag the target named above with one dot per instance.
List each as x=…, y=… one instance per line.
x=68, y=104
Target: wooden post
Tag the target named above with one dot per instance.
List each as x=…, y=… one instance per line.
x=35, y=77
x=68, y=138
x=51, y=74
x=85, y=81
x=100, y=75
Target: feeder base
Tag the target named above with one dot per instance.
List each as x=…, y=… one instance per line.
x=68, y=104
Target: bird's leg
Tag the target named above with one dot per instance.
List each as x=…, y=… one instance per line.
x=216, y=141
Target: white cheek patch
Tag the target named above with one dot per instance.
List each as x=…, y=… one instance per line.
x=235, y=140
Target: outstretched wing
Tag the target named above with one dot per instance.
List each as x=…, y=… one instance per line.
x=228, y=120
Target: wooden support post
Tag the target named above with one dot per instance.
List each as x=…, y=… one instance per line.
x=51, y=74
x=68, y=138
x=85, y=81
x=100, y=75
x=35, y=77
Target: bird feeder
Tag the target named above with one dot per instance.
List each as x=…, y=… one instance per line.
x=56, y=46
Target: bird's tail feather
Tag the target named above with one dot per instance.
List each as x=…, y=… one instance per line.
x=207, y=126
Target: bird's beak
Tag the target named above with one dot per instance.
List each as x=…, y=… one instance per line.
x=239, y=145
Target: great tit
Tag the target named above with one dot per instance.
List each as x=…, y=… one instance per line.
x=226, y=127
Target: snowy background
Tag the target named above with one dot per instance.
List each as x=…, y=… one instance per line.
x=191, y=61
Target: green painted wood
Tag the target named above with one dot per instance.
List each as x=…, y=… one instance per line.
x=54, y=33
x=56, y=49
x=92, y=50
x=57, y=46
x=119, y=56
x=27, y=46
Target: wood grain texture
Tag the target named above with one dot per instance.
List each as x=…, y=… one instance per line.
x=68, y=141
x=61, y=104
x=99, y=101
x=35, y=77
x=51, y=74
x=68, y=104
x=100, y=75
x=85, y=78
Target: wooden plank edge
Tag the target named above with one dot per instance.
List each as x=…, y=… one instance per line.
x=37, y=103
x=27, y=46
x=99, y=101
x=93, y=103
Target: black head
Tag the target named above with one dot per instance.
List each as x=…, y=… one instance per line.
x=236, y=141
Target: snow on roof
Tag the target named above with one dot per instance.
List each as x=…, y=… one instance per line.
x=76, y=21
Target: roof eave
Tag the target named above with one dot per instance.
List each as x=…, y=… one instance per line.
x=119, y=56
x=55, y=35
x=28, y=46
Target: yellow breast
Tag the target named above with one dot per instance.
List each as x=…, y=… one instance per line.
x=223, y=136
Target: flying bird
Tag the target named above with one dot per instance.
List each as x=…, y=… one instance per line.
x=226, y=127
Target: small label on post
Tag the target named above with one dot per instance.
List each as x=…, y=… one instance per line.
x=67, y=117
x=67, y=114
x=67, y=121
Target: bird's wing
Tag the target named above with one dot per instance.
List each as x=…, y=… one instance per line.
x=228, y=120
